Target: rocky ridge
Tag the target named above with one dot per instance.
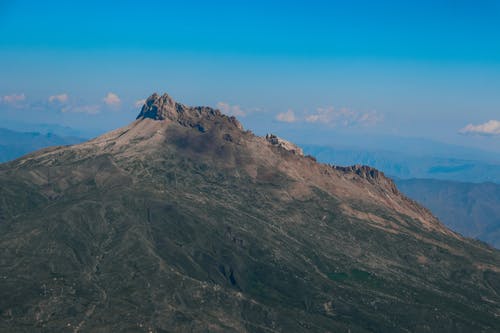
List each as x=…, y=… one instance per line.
x=286, y=145
x=165, y=107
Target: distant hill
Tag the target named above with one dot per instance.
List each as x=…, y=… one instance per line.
x=410, y=165
x=15, y=144
x=470, y=209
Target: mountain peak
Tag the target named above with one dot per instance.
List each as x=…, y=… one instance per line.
x=164, y=107
x=161, y=107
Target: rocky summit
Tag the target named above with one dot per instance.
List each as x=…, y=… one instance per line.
x=184, y=222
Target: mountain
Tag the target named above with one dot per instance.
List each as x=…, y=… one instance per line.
x=14, y=144
x=470, y=209
x=412, y=165
x=185, y=222
x=37, y=125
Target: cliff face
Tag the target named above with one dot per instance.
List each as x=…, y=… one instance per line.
x=182, y=221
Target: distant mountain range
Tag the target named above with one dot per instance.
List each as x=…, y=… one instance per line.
x=14, y=144
x=470, y=209
x=412, y=165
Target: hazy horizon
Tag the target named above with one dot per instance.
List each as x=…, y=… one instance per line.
x=310, y=71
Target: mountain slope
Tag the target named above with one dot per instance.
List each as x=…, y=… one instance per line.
x=182, y=221
x=470, y=209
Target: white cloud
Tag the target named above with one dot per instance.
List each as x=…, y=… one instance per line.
x=112, y=99
x=89, y=109
x=323, y=115
x=370, y=118
x=344, y=117
x=491, y=127
x=231, y=110
x=62, y=98
x=12, y=99
x=139, y=103
x=287, y=117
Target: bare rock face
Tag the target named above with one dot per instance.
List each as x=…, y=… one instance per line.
x=286, y=145
x=160, y=108
x=166, y=108
x=371, y=174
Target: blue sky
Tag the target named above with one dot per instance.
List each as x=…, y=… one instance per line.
x=307, y=70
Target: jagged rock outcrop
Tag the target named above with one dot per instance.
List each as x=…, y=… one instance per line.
x=165, y=107
x=371, y=174
x=286, y=145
